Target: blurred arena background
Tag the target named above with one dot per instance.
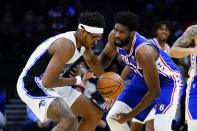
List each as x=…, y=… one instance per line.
x=25, y=24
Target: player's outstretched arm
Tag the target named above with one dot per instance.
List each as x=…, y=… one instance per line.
x=93, y=62
x=109, y=52
x=146, y=57
x=180, y=48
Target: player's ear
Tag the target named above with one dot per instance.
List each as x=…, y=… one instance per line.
x=132, y=33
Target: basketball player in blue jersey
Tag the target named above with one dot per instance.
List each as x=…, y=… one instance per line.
x=184, y=46
x=157, y=80
x=162, y=31
x=48, y=94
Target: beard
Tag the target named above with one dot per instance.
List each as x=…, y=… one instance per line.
x=122, y=42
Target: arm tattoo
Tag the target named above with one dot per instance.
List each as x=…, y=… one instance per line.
x=191, y=31
x=183, y=41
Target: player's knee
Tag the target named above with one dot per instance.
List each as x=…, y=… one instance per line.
x=69, y=121
x=109, y=120
x=162, y=123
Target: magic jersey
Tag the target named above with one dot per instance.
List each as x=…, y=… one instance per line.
x=40, y=58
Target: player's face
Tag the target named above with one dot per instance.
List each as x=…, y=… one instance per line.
x=163, y=32
x=121, y=35
x=91, y=39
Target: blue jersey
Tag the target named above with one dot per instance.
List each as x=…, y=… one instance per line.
x=168, y=70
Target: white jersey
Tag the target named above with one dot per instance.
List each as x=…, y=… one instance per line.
x=29, y=85
x=192, y=71
x=40, y=58
x=167, y=50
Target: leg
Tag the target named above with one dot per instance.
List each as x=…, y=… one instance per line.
x=149, y=125
x=136, y=126
x=59, y=112
x=150, y=120
x=91, y=113
x=162, y=123
x=117, y=108
x=192, y=125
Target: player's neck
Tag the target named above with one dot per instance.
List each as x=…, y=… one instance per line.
x=161, y=43
x=129, y=45
x=78, y=42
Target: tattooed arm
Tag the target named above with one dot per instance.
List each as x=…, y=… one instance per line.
x=180, y=48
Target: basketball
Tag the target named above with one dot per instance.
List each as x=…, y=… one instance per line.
x=110, y=85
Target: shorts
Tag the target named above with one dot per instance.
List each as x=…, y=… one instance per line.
x=166, y=103
x=191, y=98
x=150, y=116
x=39, y=98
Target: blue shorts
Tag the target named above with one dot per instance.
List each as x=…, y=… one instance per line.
x=191, y=99
x=166, y=102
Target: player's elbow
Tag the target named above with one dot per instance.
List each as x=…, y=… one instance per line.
x=157, y=92
x=46, y=84
x=172, y=53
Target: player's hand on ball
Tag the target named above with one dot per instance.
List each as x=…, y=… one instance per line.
x=121, y=117
x=108, y=104
x=87, y=75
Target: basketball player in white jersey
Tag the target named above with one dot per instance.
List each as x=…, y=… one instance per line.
x=184, y=46
x=48, y=94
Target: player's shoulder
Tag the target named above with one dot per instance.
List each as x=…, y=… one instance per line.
x=64, y=45
x=192, y=27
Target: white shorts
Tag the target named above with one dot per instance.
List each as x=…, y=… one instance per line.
x=39, y=104
x=150, y=116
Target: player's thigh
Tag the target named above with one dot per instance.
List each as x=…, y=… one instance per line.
x=169, y=99
x=85, y=107
x=149, y=125
x=136, y=125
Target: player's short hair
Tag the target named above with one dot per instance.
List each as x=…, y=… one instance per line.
x=128, y=19
x=94, y=19
x=159, y=24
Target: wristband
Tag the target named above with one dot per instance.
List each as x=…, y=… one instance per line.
x=78, y=80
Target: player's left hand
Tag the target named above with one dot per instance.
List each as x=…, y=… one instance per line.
x=87, y=75
x=108, y=104
x=121, y=117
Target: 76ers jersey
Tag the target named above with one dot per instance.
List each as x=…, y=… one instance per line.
x=168, y=71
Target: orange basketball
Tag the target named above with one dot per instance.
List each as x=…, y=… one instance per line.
x=110, y=85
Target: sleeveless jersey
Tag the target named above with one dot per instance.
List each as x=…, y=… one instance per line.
x=38, y=61
x=168, y=70
x=167, y=51
x=191, y=89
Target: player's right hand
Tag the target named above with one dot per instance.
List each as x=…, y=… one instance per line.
x=87, y=75
x=108, y=104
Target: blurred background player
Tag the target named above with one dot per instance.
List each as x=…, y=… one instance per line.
x=184, y=46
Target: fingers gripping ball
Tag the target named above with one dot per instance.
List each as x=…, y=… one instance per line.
x=110, y=85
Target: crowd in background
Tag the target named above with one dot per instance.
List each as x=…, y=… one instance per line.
x=25, y=24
